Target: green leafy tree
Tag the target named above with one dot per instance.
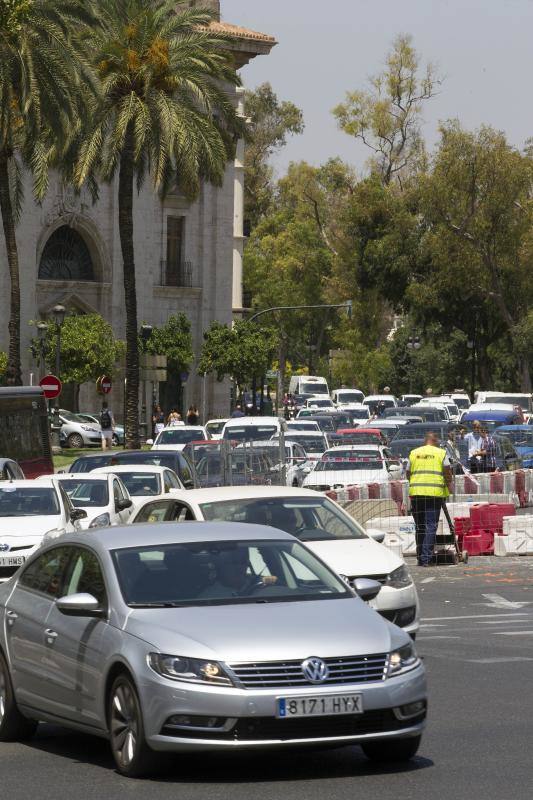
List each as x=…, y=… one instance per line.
x=41, y=69
x=270, y=122
x=3, y=366
x=241, y=352
x=88, y=349
x=387, y=117
x=173, y=340
x=162, y=110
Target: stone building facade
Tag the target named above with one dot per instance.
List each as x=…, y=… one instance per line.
x=188, y=256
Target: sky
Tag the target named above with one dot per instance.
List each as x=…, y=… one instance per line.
x=482, y=48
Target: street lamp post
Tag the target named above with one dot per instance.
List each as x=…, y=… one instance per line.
x=58, y=313
x=414, y=344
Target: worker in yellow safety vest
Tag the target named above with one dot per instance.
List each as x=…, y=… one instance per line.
x=430, y=483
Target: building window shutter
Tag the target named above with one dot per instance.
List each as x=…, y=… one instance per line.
x=174, y=264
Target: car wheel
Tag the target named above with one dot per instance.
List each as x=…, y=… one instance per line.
x=389, y=751
x=13, y=726
x=75, y=440
x=132, y=755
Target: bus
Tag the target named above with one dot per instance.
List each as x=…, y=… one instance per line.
x=25, y=429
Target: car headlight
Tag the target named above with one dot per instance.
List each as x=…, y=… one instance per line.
x=101, y=521
x=403, y=660
x=399, y=578
x=192, y=670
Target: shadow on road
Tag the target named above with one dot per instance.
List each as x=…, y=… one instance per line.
x=238, y=768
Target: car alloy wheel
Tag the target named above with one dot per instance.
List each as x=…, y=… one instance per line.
x=75, y=440
x=132, y=755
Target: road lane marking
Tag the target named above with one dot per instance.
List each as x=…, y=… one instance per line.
x=435, y=636
x=502, y=660
x=513, y=633
x=427, y=580
x=497, y=601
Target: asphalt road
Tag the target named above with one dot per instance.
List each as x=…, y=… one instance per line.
x=476, y=641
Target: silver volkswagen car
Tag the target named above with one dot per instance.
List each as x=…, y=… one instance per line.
x=202, y=637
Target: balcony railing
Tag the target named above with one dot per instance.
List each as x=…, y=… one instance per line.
x=177, y=274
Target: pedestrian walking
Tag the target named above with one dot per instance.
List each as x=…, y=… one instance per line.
x=430, y=483
x=107, y=425
x=158, y=420
x=193, y=416
x=174, y=418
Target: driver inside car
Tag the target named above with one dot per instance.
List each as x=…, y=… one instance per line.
x=235, y=577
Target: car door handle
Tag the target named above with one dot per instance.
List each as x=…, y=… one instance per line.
x=11, y=617
x=50, y=636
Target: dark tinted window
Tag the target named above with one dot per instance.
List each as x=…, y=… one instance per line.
x=88, y=463
x=46, y=573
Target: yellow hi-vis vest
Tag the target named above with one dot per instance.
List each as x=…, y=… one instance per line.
x=426, y=472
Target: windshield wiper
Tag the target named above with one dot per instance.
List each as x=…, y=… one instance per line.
x=154, y=605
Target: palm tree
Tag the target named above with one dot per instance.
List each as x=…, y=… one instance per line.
x=162, y=110
x=40, y=73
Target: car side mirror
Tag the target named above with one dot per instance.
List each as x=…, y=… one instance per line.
x=77, y=513
x=80, y=605
x=188, y=483
x=366, y=588
x=123, y=504
x=376, y=535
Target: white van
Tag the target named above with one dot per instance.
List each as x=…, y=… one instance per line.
x=521, y=399
x=253, y=429
x=308, y=384
x=347, y=397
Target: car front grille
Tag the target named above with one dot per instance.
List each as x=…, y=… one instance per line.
x=349, y=669
x=270, y=728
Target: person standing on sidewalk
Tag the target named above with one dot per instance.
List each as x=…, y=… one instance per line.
x=430, y=483
x=107, y=424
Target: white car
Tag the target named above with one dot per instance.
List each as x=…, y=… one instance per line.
x=315, y=443
x=142, y=480
x=302, y=425
x=294, y=459
x=214, y=428
x=317, y=521
x=104, y=497
x=176, y=437
x=31, y=511
x=373, y=400
x=344, y=397
x=252, y=429
x=323, y=403
x=352, y=465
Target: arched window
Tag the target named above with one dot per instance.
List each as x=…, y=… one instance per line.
x=66, y=257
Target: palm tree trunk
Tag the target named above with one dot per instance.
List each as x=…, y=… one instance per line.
x=14, y=376
x=125, y=222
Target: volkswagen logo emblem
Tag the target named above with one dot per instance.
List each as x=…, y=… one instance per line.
x=315, y=669
x=4, y=548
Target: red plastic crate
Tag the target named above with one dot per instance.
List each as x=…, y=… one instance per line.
x=478, y=542
x=490, y=516
x=462, y=525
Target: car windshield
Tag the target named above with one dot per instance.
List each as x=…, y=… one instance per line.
x=88, y=463
x=302, y=426
x=307, y=518
x=222, y=573
x=215, y=427
x=86, y=492
x=311, y=444
x=16, y=501
x=319, y=403
x=521, y=437
x=521, y=400
x=179, y=436
x=69, y=417
x=359, y=438
x=313, y=388
x=249, y=433
x=349, y=397
x=462, y=402
x=141, y=483
x=349, y=460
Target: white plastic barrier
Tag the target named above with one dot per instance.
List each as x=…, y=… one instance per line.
x=517, y=539
x=393, y=542
x=493, y=498
x=402, y=530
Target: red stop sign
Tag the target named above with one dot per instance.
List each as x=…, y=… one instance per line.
x=51, y=386
x=105, y=384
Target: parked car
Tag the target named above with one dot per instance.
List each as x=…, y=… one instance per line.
x=118, y=430
x=293, y=458
x=319, y=522
x=77, y=432
x=315, y=443
x=323, y=403
x=105, y=498
x=351, y=465
x=172, y=660
x=32, y=511
x=143, y=480
x=521, y=436
x=343, y=397
x=88, y=463
x=173, y=459
x=176, y=437
x=10, y=470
